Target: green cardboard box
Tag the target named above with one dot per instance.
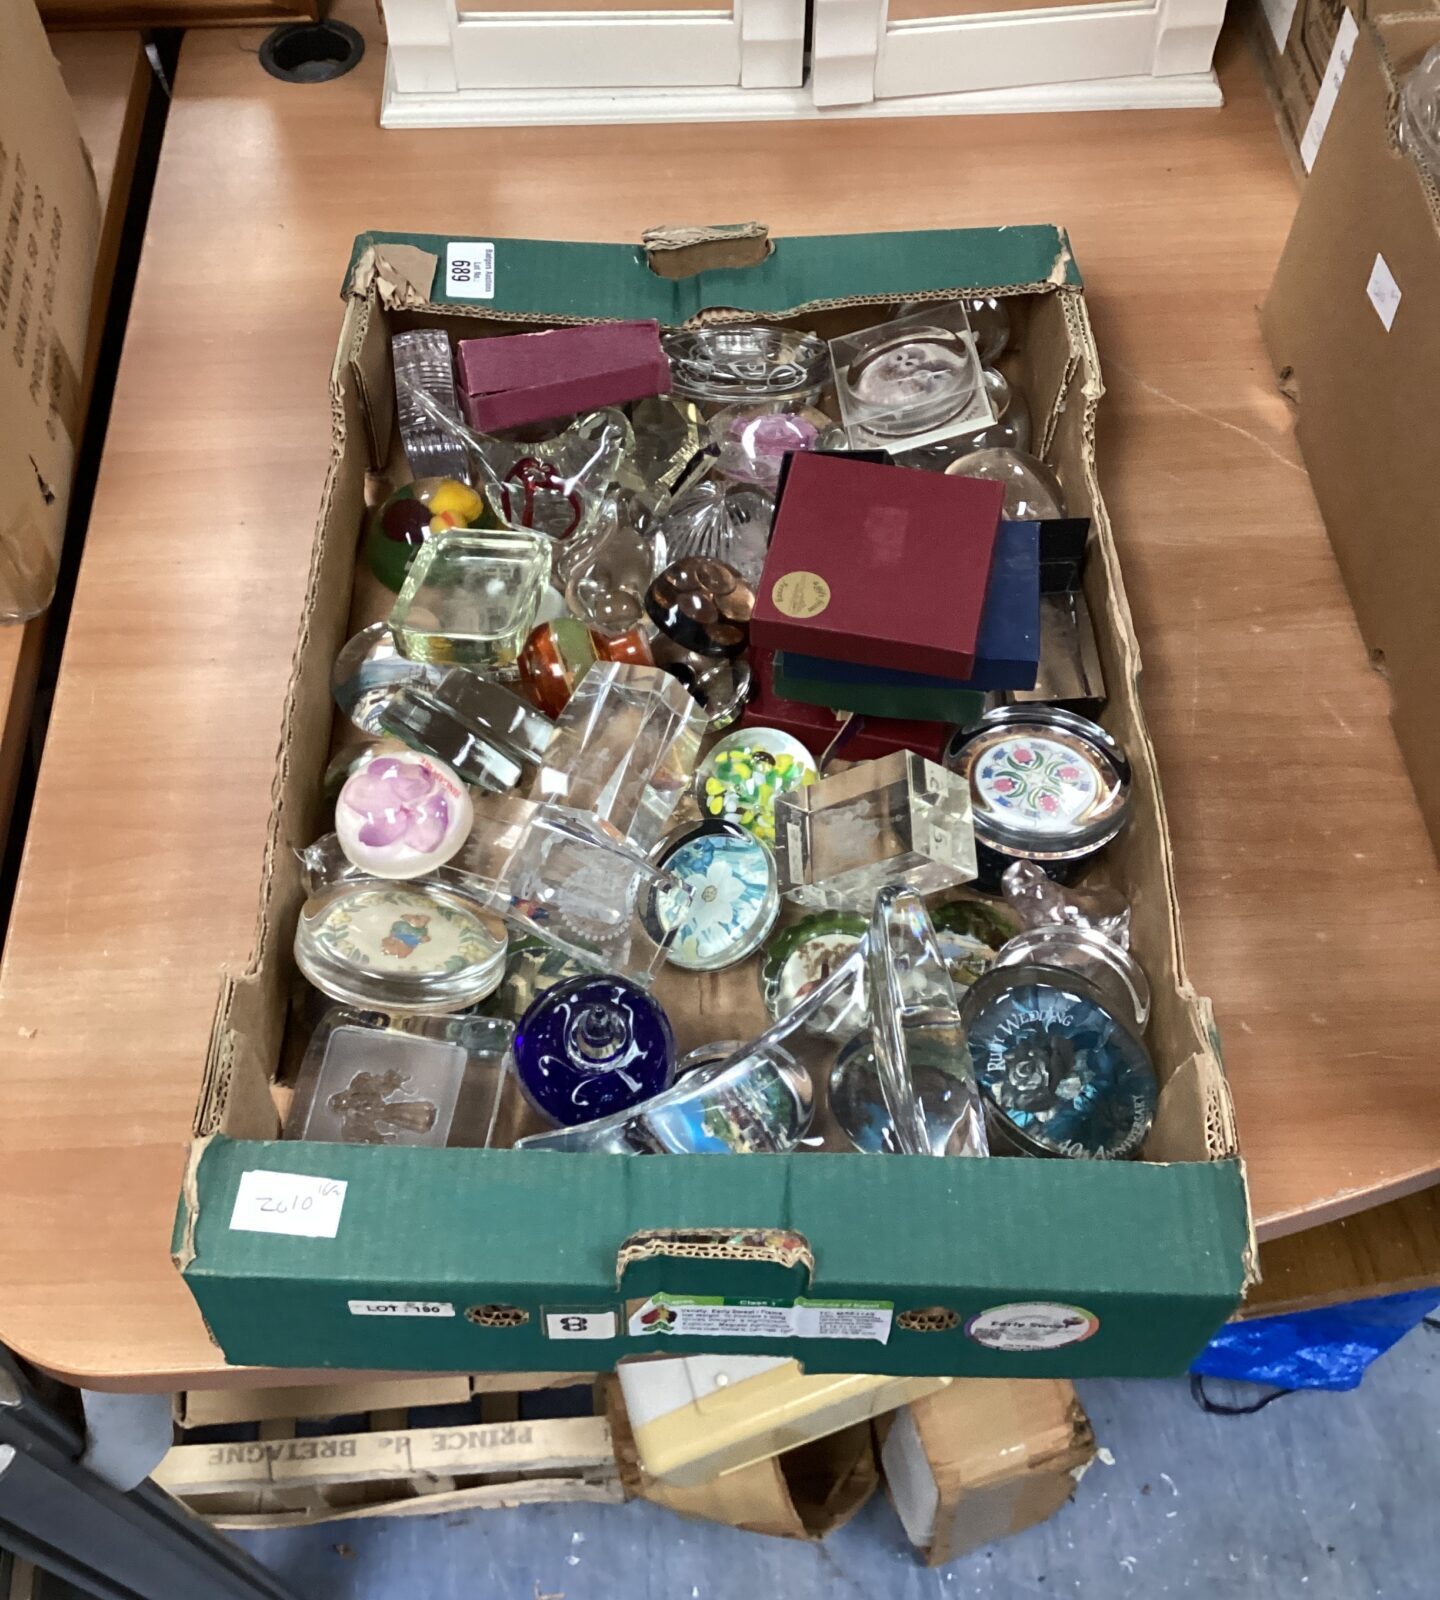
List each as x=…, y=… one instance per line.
x=474, y=1260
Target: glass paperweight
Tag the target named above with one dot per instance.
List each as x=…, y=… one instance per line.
x=624, y=750
x=606, y=580
x=557, y=486
x=899, y=820
x=947, y=1104
x=910, y=382
x=592, y=1047
x=1108, y=966
x=1010, y=429
x=1046, y=786
x=427, y=726
x=1419, y=123
x=423, y=361
x=558, y=654
x=703, y=606
x=915, y=1020
x=532, y=967
x=717, y=522
x=1061, y=1072
x=1037, y=900
x=367, y=1079
x=414, y=513
x=470, y=598
x=402, y=816
x=733, y=896
x=989, y=319
x=752, y=441
x=749, y=362
x=720, y=685
x=369, y=671
x=805, y=955
x=744, y=773
x=351, y=757
x=566, y=878
x=418, y=946
x=669, y=430
x=981, y=920
x=1032, y=491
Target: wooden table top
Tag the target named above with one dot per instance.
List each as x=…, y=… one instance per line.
x=108, y=78
x=1307, y=885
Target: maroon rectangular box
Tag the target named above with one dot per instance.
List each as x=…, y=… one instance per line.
x=882, y=565
x=816, y=726
x=517, y=378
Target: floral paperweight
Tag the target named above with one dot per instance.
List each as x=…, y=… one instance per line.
x=744, y=774
x=704, y=606
x=411, y=515
x=733, y=896
x=1046, y=786
x=753, y=441
x=566, y=878
x=900, y=820
x=367, y=1079
x=592, y=1047
x=424, y=364
x=1062, y=1072
x=624, y=750
x=369, y=672
x=471, y=597
x=400, y=817
x=915, y=1024
x=746, y=362
x=390, y=947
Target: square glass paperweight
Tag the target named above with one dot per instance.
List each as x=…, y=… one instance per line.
x=624, y=750
x=900, y=820
x=566, y=878
x=471, y=597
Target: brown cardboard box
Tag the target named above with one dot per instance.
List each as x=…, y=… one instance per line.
x=1296, y=40
x=803, y=1494
x=1365, y=387
x=982, y=1459
x=49, y=233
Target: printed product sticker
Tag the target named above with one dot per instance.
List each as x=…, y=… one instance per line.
x=401, y=1308
x=1032, y=1325
x=710, y=1317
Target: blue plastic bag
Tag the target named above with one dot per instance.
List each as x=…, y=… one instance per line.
x=1328, y=1349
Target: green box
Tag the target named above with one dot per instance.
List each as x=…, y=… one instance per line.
x=475, y=1260
x=925, y=704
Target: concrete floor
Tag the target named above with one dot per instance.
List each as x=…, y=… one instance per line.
x=1329, y=1497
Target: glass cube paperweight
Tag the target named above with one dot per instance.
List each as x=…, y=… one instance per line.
x=369, y=671
x=1061, y=1070
x=624, y=750
x=421, y=946
x=593, y=1047
x=1032, y=491
x=564, y=877
x=732, y=1099
x=733, y=896
x=471, y=597
x=402, y=816
x=915, y=1023
x=749, y=362
x=910, y=382
x=899, y=820
x=423, y=361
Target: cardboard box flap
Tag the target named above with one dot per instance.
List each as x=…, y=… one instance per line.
x=546, y=279
x=1174, y=1236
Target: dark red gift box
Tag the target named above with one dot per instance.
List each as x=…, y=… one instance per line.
x=516, y=378
x=880, y=565
x=816, y=726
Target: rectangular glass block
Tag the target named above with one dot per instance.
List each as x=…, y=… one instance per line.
x=471, y=597
x=624, y=750
x=424, y=365
x=564, y=877
x=901, y=819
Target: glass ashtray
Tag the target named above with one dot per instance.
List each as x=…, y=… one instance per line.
x=747, y=362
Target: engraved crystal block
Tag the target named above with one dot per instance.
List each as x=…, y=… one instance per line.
x=900, y=820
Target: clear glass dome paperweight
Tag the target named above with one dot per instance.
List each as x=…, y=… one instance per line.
x=471, y=597
x=1419, y=124
x=1032, y=491
x=369, y=672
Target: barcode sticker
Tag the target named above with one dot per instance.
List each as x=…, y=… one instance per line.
x=469, y=270
x=1335, y=69
x=288, y=1202
x=1384, y=292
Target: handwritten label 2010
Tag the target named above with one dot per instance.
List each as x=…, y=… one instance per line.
x=289, y=1202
